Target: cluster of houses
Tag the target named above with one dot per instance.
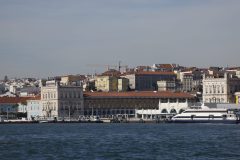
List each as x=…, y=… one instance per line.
x=143, y=92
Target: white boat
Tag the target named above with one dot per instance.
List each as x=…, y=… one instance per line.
x=95, y=119
x=43, y=121
x=204, y=114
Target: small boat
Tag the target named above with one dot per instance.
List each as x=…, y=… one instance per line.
x=95, y=119
x=204, y=114
x=43, y=121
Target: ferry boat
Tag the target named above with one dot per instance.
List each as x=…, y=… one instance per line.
x=204, y=114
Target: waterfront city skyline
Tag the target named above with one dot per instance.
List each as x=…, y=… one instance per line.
x=42, y=38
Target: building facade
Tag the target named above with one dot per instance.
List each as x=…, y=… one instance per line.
x=108, y=104
x=147, y=80
x=69, y=79
x=34, y=109
x=163, y=67
x=61, y=101
x=220, y=89
x=10, y=107
x=123, y=84
x=106, y=83
x=167, y=85
x=187, y=82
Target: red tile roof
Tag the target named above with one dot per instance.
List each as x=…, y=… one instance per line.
x=111, y=72
x=139, y=94
x=15, y=100
x=169, y=66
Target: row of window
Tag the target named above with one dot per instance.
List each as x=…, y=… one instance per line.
x=49, y=95
x=49, y=108
x=34, y=108
x=70, y=104
x=74, y=108
x=70, y=95
x=49, y=104
x=62, y=95
x=214, y=89
x=214, y=100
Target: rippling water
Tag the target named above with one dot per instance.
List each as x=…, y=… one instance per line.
x=119, y=141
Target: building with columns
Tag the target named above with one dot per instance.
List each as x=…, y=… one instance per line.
x=220, y=89
x=131, y=104
x=61, y=102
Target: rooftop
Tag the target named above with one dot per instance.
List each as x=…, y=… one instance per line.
x=139, y=94
x=154, y=73
x=169, y=66
x=15, y=100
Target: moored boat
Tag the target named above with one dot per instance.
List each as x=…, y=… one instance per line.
x=204, y=114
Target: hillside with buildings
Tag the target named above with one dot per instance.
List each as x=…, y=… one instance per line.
x=155, y=91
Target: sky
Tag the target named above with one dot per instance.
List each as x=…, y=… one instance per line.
x=43, y=38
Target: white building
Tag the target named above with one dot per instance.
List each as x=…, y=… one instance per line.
x=61, y=101
x=13, y=89
x=166, y=108
x=34, y=110
x=220, y=89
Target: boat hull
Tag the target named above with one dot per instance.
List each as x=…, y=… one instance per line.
x=206, y=121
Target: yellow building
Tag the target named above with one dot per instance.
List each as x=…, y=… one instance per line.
x=67, y=80
x=237, y=94
x=106, y=83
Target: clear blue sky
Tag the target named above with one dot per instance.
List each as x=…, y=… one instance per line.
x=41, y=38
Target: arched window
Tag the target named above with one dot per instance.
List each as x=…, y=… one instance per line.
x=164, y=111
x=173, y=111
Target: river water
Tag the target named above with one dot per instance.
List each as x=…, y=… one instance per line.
x=120, y=141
